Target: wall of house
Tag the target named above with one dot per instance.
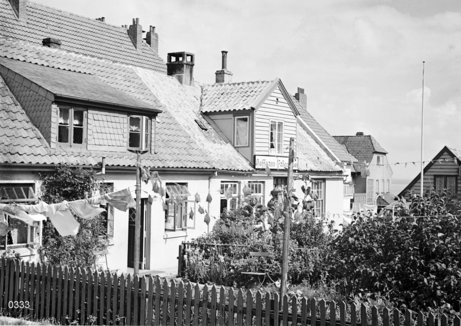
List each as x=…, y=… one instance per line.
x=36, y=101
x=334, y=200
x=226, y=124
x=381, y=172
x=164, y=243
x=447, y=167
x=275, y=108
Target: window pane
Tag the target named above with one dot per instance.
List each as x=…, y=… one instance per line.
x=451, y=184
x=135, y=124
x=78, y=135
x=280, y=138
x=135, y=139
x=241, y=131
x=78, y=118
x=64, y=116
x=272, y=135
x=63, y=134
x=146, y=133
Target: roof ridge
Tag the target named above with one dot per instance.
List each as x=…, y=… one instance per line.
x=75, y=15
x=240, y=83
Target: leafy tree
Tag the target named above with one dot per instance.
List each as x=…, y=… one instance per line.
x=413, y=257
x=67, y=183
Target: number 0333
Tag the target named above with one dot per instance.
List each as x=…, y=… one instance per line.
x=18, y=304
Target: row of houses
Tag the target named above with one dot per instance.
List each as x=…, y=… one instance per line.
x=78, y=91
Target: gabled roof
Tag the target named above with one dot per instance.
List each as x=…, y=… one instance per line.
x=74, y=86
x=78, y=34
x=361, y=147
x=453, y=152
x=222, y=97
x=181, y=142
x=336, y=148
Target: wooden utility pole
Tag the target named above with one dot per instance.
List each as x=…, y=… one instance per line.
x=137, y=222
x=287, y=222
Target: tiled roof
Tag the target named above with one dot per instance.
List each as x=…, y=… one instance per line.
x=456, y=152
x=311, y=157
x=235, y=96
x=78, y=34
x=362, y=147
x=181, y=143
x=74, y=85
x=339, y=150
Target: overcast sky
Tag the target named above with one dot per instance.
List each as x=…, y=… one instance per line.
x=360, y=61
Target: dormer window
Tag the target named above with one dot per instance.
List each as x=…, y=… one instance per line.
x=139, y=133
x=72, y=126
x=276, y=138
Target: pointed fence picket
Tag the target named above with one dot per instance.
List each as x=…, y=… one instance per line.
x=83, y=296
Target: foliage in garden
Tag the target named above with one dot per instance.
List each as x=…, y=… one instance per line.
x=67, y=183
x=414, y=258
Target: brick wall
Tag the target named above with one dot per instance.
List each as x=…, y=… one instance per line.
x=107, y=131
x=35, y=100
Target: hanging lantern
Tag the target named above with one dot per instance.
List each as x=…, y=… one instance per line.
x=197, y=197
x=246, y=191
x=209, y=198
x=207, y=219
x=156, y=187
x=201, y=210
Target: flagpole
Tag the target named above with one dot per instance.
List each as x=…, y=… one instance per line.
x=422, y=130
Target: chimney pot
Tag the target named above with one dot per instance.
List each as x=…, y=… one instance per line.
x=135, y=33
x=359, y=133
x=301, y=97
x=181, y=66
x=52, y=42
x=223, y=75
x=152, y=38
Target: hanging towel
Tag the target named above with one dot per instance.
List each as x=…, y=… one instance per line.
x=83, y=209
x=64, y=222
x=121, y=199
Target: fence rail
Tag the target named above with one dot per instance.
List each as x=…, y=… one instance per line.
x=66, y=295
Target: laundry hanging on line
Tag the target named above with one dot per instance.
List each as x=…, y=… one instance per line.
x=62, y=214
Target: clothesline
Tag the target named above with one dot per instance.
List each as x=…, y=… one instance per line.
x=62, y=214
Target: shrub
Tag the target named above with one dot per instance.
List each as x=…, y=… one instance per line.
x=67, y=183
x=414, y=258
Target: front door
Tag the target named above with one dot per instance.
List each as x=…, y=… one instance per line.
x=131, y=233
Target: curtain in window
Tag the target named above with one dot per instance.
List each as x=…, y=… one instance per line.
x=241, y=131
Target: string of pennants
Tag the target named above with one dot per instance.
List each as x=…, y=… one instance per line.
x=413, y=163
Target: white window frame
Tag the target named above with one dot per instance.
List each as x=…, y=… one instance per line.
x=318, y=190
x=71, y=127
x=259, y=195
x=145, y=130
x=235, y=193
x=278, y=143
x=178, y=206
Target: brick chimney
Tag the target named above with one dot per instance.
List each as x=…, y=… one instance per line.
x=52, y=42
x=223, y=75
x=135, y=33
x=152, y=38
x=181, y=66
x=19, y=7
x=301, y=97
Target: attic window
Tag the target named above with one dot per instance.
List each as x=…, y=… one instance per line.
x=139, y=133
x=201, y=124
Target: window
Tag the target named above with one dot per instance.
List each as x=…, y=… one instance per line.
x=379, y=160
x=176, y=213
x=20, y=233
x=446, y=182
x=377, y=186
x=72, y=126
x=370, y=192
x=241, y=131
x=257, y=191
x=229, y=195
x=276, y=138
x=139, y=133
x=318, y=191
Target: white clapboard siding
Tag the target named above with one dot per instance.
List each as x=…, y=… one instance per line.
x=271, y=110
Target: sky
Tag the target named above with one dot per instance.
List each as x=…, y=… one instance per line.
x=359, y=61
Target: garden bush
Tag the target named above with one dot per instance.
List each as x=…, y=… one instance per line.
x=413, y=258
